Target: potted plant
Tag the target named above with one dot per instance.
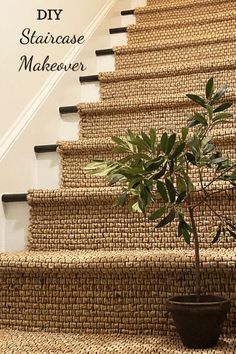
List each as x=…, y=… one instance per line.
x=163, y=169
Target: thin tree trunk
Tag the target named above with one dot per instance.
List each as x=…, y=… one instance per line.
x=197, y=255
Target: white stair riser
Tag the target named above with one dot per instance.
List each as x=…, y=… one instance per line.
x=128, y=20
x=49, y=161
x=138, y=3
x=105, y=63
x=16, y=227
x=90, y=92
x=118, y=39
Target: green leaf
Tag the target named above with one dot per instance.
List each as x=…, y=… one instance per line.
x=171, y=190
x=218, y=232
x=179, y=149
x=184, y=133
x=162, y=190
x=223, y=107
x=154, y=164
x=160, y=173
x=146, y=139
x=153, y=136
x=164, y=140
x=220, y=93
x=181, y=184
x=95, y=164
x=186, y=234
x=200, y=118
x=115, y=178
x=181, y=197
x=167, y=220
x=191, y=158
x=120, y=149
x=118, y=141
x=184, y=229
x=197, y=99
x=157, y=214
x=121, y=200
x=209, y=88
x=170, y=143
x=222, y=116
x=219, y=160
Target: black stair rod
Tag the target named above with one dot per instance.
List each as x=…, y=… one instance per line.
x=88, y=78
x=118, y=30
x=100, y=52
x=68, y=109
x=127, y=12
x=45, y=148
x=9, y=198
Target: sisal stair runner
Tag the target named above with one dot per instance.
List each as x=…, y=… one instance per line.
x=95, y=279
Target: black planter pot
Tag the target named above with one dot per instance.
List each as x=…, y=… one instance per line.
x=199, y=324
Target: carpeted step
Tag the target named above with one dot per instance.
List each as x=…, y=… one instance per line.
x=180, y=3
x=75, y=155
x=16, y=342
x=107, y=291
x=131, y=57
x=166, y=113
x=167, y=79
x=83, y=218
x=202, y=30
x=182, y=13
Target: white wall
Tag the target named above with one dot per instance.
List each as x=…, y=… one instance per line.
x=18, y=88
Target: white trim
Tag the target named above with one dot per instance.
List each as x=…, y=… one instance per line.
x=25, y=117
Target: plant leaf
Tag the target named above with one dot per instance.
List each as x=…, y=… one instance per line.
x=179, y=149
x=162, y=190
x=164, y=140
x=157, y=214
x=209, y=88
x=181, y=197
x=191, y=158
x=223, y=107
x=219, y=93
x=200, y=118
x=171, y=190
x=170, y=143
x=167, y=220
x=197, y=99
x=161, y=172
x=184, y=133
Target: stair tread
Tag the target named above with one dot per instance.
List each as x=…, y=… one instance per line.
x=175, y=4
x=169, y=70
x=126, y=260
x=141, y=103
x=97, y=145
x=152, y=8
x=16, y=342
x=209, y=18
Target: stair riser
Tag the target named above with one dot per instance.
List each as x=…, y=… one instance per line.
x=103, y=303
x=185, y=14
x=196, y=33
x=90, y=223
x=115, y=86
x=125, y=59
x=73, y=163
x=106, y=122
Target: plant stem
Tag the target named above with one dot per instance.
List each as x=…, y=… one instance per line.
x=197, y=254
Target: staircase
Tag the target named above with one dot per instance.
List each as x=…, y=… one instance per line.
x=95, y=279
